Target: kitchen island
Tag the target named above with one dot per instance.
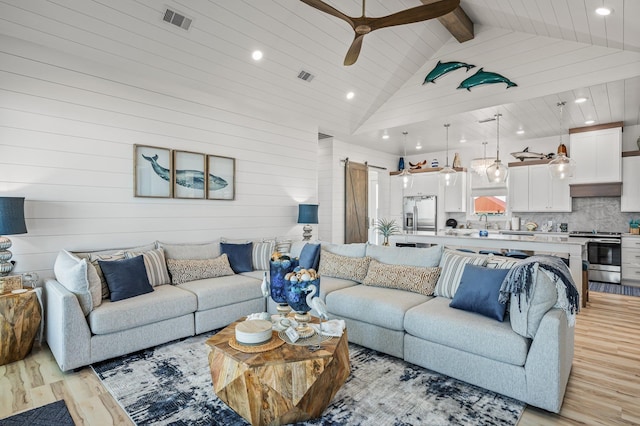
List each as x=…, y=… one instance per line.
x=537, y=242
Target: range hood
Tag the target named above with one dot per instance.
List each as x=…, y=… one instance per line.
x=582, y=190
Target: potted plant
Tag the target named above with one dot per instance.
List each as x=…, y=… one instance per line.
x=386, y=228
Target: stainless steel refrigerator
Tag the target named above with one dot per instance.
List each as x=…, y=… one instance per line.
x=419, y=213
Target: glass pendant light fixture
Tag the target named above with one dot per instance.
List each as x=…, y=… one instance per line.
x=447, y=173
x=479, y=165
x=405, y=174
x=561, y=167
x=497, y=172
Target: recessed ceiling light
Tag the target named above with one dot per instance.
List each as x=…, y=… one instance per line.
x=256, y=55
x=418, y=146
x=520, y=132
x=463, y=140
x=385, y=136
x=350, y=95
x=603, y=11
x=580, y=100
x=589, y=121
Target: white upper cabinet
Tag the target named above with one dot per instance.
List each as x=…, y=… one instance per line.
x=455, y=197
x=598, y=156
x=630, y=200
x=519, y=188
x=423, y=184
x=532, y=189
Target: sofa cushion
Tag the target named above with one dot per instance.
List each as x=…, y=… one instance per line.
x=479, y=291
x=350, y=250
x=384, y=307
x=406, y=255
x=94, y=258
x=84, y=254
x=223, y=291
x=71, y=272
x=184, y=270
x=239, y=256
x=351, y=268
x=155, y=264
x=191, y=251
x=261, y=254
x=436, y=322
x=527, y=312
x=411, y=278
x=165, y=302
x=452, y=264
x=126, y=278
x=310, y=256
x=331, y=284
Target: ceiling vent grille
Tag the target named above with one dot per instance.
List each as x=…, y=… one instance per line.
x=173, y=17
x=305, y=75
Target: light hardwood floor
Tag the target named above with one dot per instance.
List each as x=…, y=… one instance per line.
x=604, y=387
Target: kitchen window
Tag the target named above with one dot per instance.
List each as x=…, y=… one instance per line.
x=487, y=198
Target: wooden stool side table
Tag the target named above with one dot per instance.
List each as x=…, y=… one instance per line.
x=20, y=318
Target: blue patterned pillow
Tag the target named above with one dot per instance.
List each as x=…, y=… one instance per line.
x=239, y=256
x=479, y=291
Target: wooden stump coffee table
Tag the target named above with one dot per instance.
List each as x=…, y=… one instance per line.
x=284, y=385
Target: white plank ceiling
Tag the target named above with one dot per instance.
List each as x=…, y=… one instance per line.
x=554, y=50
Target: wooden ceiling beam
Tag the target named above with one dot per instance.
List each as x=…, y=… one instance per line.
x=457, y=23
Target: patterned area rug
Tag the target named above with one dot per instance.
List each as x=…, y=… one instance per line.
x=171, y=384
x=614, y=288
x=55, y=413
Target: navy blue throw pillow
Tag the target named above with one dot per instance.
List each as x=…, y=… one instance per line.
x=126, y=278
x=239, y=256
x=479, y=290
x=310, y=256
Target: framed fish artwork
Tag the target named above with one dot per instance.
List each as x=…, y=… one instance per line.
x=221, y=184
x=152, y=171
x=188, y=177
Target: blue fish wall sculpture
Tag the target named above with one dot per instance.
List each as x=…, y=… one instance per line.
x=187, y=178
x=484, y=77
x=443, y=68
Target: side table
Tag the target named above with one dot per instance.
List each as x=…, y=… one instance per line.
x=20, y=318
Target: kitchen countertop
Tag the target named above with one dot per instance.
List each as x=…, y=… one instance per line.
x=502, y=235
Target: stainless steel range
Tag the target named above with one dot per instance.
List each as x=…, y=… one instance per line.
x=604, y=255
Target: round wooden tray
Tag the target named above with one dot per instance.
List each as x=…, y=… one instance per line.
x=275, y=342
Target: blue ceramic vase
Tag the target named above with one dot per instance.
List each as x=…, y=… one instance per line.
x=277, y=270
x=297, y=295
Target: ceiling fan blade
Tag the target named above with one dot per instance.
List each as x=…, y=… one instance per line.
x=415, y=14
x=322, y=6
x=354, y=50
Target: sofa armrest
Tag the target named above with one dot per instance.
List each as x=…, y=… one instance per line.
x=549, y=361
x=66, y=328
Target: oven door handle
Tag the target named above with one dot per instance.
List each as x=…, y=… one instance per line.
x=605, y=240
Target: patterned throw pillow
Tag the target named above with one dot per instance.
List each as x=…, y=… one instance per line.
x=94, y=258
x=262, y=254
x=452, y=264
x=155, y=265
x=417, y=279
x=283, y=246
x=349, y=268
x=500, y=262
x=185, y=270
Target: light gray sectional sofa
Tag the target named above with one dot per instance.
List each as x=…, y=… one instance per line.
x=386, y=304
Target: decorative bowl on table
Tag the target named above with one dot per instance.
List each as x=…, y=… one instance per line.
x=278, y=269
x=300, y=285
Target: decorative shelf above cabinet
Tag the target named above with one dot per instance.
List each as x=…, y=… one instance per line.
x=429, y=170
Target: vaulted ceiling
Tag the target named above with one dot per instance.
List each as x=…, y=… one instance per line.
x=555, y=50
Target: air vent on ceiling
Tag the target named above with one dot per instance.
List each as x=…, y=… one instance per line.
x=323, y=136
x=305, y=75
x=173, y=17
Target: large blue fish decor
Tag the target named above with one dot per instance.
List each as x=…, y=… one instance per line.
x=187, y=178
x=484, y=77
x=443, y=68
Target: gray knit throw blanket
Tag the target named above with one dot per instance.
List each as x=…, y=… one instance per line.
x=519, y=280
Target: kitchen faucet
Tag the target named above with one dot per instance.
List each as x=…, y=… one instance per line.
x=486, y=220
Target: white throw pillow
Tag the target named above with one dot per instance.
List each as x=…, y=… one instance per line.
x=71, y=272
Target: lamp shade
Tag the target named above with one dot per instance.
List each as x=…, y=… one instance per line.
x=307, y=213
x=12, y=216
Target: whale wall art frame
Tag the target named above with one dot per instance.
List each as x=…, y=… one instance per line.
x=153, y=169
x=167, y=173
x=222, y=178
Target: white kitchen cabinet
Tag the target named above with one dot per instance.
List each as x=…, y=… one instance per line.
x=519, y=188
x=597, y=155
x=630, y=200
x=532, y=189
x=455, y=197
x=395, y=196
x=423, y=184
x=630, y=270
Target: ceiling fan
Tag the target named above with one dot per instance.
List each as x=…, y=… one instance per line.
x=364, y=25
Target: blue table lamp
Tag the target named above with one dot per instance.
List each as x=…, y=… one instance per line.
x=307, y=214
x=11, y=223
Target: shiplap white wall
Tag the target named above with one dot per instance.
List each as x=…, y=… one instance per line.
x=331, y=183
x=67, y=130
